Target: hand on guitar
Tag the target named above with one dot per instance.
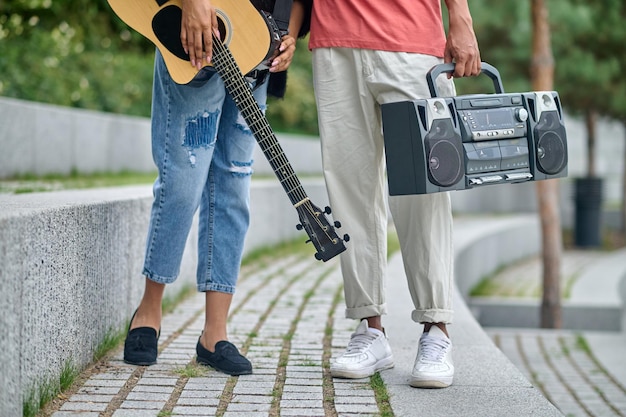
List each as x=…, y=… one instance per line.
x=284, y=54
x=287, y=47
x=198, y=21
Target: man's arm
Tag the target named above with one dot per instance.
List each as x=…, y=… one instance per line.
x=461, y=44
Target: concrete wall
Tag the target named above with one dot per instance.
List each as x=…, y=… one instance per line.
x=39, y=138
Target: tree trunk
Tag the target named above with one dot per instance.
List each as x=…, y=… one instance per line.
x=542, y=70
x=590, y=122
x=624, y=187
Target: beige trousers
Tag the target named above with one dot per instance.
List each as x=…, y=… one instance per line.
x=350, y=85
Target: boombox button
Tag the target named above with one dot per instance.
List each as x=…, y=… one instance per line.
x=519, y=176
x=492, y=178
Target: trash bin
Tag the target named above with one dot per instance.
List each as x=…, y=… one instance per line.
x=588, y=212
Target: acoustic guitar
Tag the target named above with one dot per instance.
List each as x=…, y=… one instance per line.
x=247, y=39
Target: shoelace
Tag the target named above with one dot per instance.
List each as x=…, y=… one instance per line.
x=433, y=349
x=360, y=342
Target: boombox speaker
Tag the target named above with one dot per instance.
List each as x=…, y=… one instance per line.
x=463, y=142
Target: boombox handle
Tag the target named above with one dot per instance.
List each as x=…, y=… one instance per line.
x=485, y=68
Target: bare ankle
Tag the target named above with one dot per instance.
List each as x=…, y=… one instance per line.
x=441, y=326
x=375, y=322
x=147, y=316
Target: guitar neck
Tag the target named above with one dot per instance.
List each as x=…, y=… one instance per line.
x=238, y=88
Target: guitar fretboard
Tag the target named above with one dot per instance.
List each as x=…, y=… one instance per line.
x=238, y=88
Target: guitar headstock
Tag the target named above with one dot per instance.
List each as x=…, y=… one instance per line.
x=321, y=233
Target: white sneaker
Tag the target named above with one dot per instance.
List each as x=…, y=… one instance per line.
x=367, y=353
x=433, y=365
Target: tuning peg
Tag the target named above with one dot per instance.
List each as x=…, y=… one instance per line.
x=299, y=226
x=318, y=256
x=346, y=238
x=327, y=210
x=307, y=241
x=337, y=224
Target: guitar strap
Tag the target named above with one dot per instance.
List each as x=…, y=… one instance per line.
x=281, y=15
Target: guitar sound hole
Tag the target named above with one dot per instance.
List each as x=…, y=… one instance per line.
x=166, y=25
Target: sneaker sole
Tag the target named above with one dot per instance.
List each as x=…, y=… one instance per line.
x=381, y=365
x=431, y=383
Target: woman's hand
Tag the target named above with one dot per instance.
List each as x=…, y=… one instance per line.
x=198, y=23
x=285, y=54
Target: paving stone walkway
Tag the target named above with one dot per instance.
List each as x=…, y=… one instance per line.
x=287, y=317
x=283, y=317
x=568, y=374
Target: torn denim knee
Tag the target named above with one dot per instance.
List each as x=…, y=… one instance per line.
x=241, y=169
x=200, y=131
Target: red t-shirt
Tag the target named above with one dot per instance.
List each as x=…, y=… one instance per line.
x=392, y=25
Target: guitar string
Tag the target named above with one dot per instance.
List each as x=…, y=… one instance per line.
x=289, y=176
x=225, y=59
x=278, y=160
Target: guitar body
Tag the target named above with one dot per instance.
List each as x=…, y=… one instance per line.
x=242, y=28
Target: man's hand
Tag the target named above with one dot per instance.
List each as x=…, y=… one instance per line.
x=285, y=54
x=461, y=45
x=199, y=21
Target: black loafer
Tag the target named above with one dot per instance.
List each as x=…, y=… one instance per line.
x=141, y=345
x=226, y=358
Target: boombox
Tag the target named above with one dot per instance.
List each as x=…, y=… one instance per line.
x=463, y=142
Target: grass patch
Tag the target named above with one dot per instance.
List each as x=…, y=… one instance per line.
x=110, y=341
x=581, y=343
x=393, y=244
x=68, y=375
x=170, y=302
x=382, y=396
x=267, y=254
x=192, y=370
x=38, y=396
x=485, y=288
x=29, y=183
x=308, y=362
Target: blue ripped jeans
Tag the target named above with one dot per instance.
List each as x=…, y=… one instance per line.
x=203, y=150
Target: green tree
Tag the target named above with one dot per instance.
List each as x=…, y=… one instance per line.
x=588, y=63
x=605, y=39
x=72, y=53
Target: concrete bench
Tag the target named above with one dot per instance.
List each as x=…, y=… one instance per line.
x=596, y=302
